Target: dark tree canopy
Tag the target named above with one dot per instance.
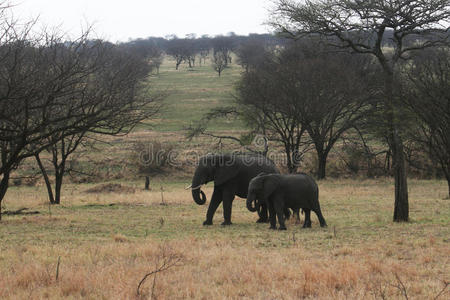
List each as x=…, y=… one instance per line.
x=306, y=89
x=428, y=96
x=251, y=53
x=149, y=49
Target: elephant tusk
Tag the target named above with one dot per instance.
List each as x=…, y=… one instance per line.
x=196, y=188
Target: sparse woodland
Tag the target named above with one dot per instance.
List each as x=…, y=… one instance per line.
x=354, y=93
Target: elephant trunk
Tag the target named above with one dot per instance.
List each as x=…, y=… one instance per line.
x=197, y=181
x=196, y=196
x=250, y=200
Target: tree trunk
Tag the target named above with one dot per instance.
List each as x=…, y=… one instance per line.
x=447, y=176
x=46, y=179
x=178, y=63
x=401, y=205
x=292, y=169
x=446, y=171
x=147, y=183
x=448, y=183
x=387, y=164
x=58, y=184
x=3, y=188
x=293, y=162
x=290, y=155
x=321, y=170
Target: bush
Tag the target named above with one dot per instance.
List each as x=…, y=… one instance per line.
x=152, y=157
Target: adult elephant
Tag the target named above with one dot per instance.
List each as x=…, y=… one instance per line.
x=231, y=174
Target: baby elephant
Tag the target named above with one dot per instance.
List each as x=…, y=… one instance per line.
x=280, y=192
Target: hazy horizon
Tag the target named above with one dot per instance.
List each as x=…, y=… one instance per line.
x=114, y=21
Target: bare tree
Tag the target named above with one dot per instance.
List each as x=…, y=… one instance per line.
x=176, y=49
x=204, y=47
x=222, y=48
x=219, y=63
x=111, y=97
x=183, y=50
x=60, y=151
x=52, y=89
x=360, y=26
x=32, y=89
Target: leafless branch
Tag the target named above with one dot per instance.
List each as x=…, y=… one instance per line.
x=443, y=291
x=165, y=260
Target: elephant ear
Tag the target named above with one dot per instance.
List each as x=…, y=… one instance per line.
x=271, y=182
x=227, y=167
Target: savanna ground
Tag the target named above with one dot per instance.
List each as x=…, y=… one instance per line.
x=107, y=242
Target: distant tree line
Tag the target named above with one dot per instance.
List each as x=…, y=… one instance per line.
x=193, y=50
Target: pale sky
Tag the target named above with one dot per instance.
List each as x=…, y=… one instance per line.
x=118, y=20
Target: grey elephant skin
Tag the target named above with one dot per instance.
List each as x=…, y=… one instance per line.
x=231, y=175
x=280, y=192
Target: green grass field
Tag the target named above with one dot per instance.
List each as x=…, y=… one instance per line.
x=107, y=242
x=192, y=93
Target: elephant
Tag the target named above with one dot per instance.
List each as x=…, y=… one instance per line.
x=231, y=174
x=280, y=192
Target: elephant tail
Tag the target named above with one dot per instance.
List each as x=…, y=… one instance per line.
x=317, y=194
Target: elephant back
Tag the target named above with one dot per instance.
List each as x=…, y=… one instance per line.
x=255, y=164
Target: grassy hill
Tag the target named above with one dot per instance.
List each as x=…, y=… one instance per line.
x=192, y=93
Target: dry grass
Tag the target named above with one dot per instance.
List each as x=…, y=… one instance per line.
x=111, y=188
x=108, y=242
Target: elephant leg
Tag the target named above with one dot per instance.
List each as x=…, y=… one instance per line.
x=321, y=218
x=307, y=223
x=279, y=209
x=263, y=218
x=297, y=216
x=216, y=198
x=272, y=217
x=227, y=197
x=287, y=213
